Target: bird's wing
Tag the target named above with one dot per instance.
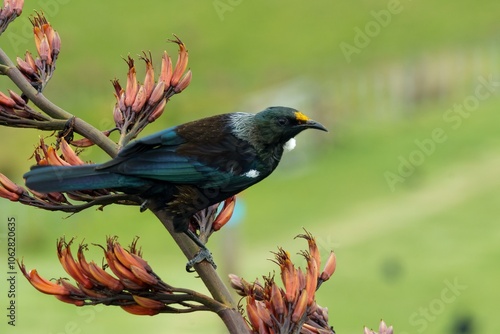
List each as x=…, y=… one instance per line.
x=166, y=156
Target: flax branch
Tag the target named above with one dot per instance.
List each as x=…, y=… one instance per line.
x=81, y=127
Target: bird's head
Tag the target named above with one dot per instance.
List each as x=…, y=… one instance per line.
x=277, y=125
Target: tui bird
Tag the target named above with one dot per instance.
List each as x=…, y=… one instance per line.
x=190, y=166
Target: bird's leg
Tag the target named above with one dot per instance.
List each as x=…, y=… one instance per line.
x=203, y=254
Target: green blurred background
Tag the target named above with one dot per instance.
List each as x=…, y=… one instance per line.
x=404, y=187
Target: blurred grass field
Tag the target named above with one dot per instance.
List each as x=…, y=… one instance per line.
x=399, y=248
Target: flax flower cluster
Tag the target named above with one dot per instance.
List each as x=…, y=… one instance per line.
x=140, y=104
x=39, y=70
x=132, y=284
x=11, y=9
x=48, y=155
x=292, y=309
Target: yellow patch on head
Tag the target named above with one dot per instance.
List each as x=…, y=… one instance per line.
x=301, y=117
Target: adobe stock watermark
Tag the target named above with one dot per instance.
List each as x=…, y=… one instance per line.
x=23, y=35
x=454, y=116
x=223, y=6
x=363, y=37
x=430, y=312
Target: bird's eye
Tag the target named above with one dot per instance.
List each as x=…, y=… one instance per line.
x=282, y=121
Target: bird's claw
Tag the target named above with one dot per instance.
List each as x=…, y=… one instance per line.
x=203, y=254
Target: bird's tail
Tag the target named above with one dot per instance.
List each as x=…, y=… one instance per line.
x=47, y=179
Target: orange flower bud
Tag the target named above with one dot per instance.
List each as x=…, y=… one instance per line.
x=25, y=67
x=118, y=116
x=4, y=193
x=6, y=101
x=132, y=86
x=263, y=313
x=70, y=265
x=128, y=279
x=225, y=215
x=70, y=155
x=182, y=62
x=300, y=307
x=143, y=275
x=330, y=266
x=10, y=186
x=105, y=279
x=56, y=44
x=43, y=285
x=44, y=50
x=140, y=100
x=149, y=79
x=277, y=300
x=31, y=61
x=16, y=5
x=166, y=69
x=54, y=159
x=157, y=94
x=18, y=99
x=158, y=111
x=253, y=315
x=139, y=310
x=70, y=300
x=311, y=279
x=184, y=82
x=123, y=256
x=148, y=302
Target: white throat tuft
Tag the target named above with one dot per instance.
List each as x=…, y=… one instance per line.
x=290, y=145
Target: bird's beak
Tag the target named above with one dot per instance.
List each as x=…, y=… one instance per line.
x=310, y=124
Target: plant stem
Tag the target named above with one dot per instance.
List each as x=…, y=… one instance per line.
x=233, y=320
x=83, y=128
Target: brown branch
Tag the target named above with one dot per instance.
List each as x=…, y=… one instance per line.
x=229, y=313
x=83, y=128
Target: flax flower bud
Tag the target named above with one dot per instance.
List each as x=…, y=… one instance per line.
x=182, y=62
x=166, y=69
x=184, y=82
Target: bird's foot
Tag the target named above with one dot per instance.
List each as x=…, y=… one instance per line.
x=203, y=254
